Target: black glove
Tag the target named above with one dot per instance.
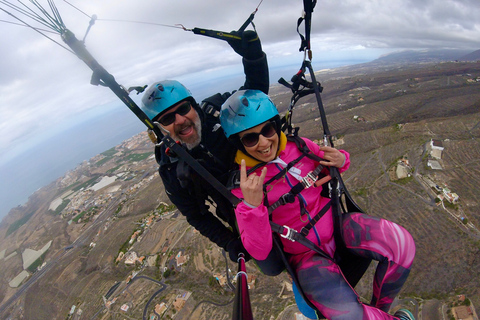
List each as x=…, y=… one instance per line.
x=234, y=247
x=248, y=46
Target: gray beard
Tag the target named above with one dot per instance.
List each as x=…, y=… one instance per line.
x=190, y=145
x=198, y=128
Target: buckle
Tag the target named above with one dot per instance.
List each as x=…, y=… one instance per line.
x=290, y=233
x=287, y=198
x=309, y=180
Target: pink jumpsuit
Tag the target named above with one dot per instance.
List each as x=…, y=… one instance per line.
x=321, y=279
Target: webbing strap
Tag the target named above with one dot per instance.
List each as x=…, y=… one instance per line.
x=289, y=197
x=308, y=6
x=301, y=145
x=182, y=153
x=306, y=229
x=292, y=235
x=284, y=170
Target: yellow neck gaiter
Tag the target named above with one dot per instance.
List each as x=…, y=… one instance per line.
x=251, y=162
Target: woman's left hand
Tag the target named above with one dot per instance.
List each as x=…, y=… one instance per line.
x=252, y=186
x=332, y=157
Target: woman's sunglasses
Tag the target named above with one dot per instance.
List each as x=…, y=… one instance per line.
x=251, y=139
x=169, y=118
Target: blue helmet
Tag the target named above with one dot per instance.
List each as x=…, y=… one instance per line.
x=162, y=95
x=246, y=109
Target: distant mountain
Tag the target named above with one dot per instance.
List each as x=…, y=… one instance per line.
x=473, y=56
x=416, y=56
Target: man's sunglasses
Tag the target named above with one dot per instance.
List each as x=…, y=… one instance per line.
x=251, y=139
x=169, y=118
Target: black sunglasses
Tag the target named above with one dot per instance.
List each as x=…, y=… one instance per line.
x=251, y=139
x=169, y=118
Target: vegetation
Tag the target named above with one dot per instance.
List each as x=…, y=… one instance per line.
x=110, y=152
x=163, y=207
x=168, y=273
x=91, y=211
x=397, y=127
x=361, y=192
x=450, y=205
x=17, y=224
x=125, y=246
x=120, y=206
x=138, y=156
x=111, y=171
x=104, y=160
x=79, y=216
x=86, y=184
x=37, y=263
x=404, y=181
x=62, y=206
x=212, y=282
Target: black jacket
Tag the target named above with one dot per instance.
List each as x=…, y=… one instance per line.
x=186, y=189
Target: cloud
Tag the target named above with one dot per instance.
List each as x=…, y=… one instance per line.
x=43, y=85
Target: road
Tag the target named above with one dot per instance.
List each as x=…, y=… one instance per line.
x=80, y=241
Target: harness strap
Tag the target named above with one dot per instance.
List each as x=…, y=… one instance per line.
x=306, y=229
x=278, y=245
x=289, y=197
x=182, y=153
x=285, y=170
x=302, y=146
x=308, y=6
x=292, y=235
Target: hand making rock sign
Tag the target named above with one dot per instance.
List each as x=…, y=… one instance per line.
x=252, y=186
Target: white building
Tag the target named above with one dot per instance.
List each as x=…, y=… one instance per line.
x=434, y=164
x=436, y=148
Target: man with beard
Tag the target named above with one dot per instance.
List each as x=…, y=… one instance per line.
x=197, y=128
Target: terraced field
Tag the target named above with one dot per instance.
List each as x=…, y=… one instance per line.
x=400, y=112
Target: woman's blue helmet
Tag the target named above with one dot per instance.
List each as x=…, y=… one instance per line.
x=246, y=109
x=162, y=95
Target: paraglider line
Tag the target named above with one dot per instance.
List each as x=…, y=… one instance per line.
x=22, y=25
x=30, y=26
x=77, y=9
x=141, y=22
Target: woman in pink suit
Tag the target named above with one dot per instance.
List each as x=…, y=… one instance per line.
x=251, y=121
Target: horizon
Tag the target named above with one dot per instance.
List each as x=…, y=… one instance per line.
x=137, y=43
x=20, y=179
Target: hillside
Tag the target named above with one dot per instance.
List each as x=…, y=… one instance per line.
x=386, y=113
x=423, y=56
x=473, y=56
x=378, y=112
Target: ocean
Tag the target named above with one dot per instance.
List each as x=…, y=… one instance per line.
x=52, y=158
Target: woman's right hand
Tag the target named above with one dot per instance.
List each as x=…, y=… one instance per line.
x=252, y=186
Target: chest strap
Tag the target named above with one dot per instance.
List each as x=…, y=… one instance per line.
x=289, y=197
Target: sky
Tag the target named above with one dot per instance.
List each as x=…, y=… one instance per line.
x=45, y=90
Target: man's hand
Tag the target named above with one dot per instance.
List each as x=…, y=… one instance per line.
x=248, y=46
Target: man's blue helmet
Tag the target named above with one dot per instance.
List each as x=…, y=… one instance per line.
x=162, y=95
x=246, y=109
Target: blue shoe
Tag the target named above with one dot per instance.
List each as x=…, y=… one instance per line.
x=404, y=314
